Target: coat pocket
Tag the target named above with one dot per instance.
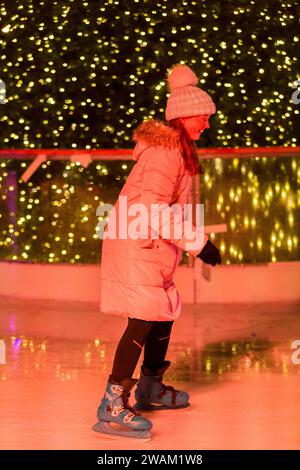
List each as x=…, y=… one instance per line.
x=168, y=259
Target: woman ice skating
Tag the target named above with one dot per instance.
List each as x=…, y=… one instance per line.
x=137, y=274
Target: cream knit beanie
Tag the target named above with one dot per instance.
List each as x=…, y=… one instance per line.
x=186, y=98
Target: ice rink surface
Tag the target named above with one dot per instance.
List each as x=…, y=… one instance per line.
x=235, y=360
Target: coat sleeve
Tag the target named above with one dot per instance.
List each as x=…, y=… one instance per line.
x=167, y=221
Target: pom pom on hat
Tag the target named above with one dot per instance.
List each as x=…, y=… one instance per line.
x=181, y=75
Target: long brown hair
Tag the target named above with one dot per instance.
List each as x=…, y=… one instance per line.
x=189, y=148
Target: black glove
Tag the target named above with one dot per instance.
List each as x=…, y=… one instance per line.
x=210, y=254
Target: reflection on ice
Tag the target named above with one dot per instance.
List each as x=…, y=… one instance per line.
x=70, y=359
x=234, y=360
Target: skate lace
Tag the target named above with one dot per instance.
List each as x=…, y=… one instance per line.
x=164, y=388
x=125, y=399
x=167, y=388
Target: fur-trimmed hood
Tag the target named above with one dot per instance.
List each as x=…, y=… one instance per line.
x=154, y=132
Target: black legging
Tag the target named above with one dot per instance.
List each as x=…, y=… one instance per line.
x=154, y=335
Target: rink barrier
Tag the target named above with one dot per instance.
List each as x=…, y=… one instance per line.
x=269, y=282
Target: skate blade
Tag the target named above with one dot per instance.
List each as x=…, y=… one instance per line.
x=119, y=433
x=157, y=407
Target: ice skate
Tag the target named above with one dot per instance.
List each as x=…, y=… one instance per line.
x=116, y=419
x=152, y=394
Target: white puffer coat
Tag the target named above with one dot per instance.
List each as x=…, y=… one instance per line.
x=137, y=275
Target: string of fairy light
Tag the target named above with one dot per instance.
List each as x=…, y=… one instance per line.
x=56, y=218
x=82, y=76
x=89, y=73
x=262, y=210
